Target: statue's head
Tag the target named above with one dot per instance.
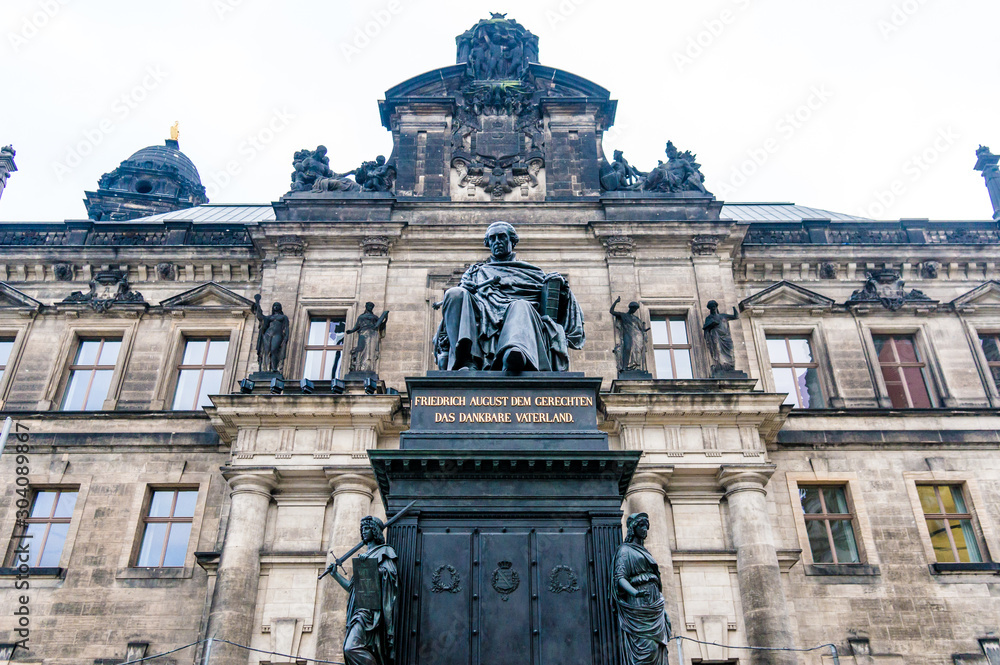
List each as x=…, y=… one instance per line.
x=380, y=160
x=633, y=307
x=501, y=238
x=320, y=150
x=369, y=306
x=371, y=530
x=671, y=150
x=618, y=155
x=276, y=308
x=712, y=306
x=637, y=525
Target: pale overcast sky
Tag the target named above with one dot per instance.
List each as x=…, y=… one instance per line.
x=868, y=107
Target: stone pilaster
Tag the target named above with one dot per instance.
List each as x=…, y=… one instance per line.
x=235, y=596
x=765, y=615
x=352, y=500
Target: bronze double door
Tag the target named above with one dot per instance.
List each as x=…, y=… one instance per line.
x=498, y=595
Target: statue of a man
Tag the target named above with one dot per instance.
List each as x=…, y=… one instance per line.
x=272, y=337
x=370, y=330
x=718, y=339
x=638, y=596
x=371, y=637
x=500, y=316
x=630, y=352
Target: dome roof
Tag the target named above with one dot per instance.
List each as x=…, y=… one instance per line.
x=169, y=156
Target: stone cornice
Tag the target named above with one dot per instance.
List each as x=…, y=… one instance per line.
x=763, y=411
x=233, y=412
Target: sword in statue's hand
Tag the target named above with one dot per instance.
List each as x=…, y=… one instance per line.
x=339, y=563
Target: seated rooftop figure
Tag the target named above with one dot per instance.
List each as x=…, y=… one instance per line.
x=508, y=315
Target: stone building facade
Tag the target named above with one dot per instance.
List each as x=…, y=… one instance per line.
x=846, y=492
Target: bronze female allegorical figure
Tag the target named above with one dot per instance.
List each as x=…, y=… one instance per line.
x=370, y=329
x=630, y=351
x=719, y=339
x=638, y=596
x=371, y=606
x=272, y=337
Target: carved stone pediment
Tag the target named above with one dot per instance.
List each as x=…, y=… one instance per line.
x=885, y=287
x=984, y=296
x=12, y=299
x=208, y=296
x=786, y=295
x=108, y=288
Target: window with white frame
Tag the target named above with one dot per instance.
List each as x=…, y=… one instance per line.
x=324, y=348
x=200, y=372
x=829, y=523
x=990, y=343
x=46, y=527
x=671, y=347
x=90, y=374
x=903, y=370
x=795, y=370
x=6, y=347
x=167, y=528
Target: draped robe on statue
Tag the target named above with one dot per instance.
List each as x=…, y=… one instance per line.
x=643, y=621
x=370, y=633
x=488, y=319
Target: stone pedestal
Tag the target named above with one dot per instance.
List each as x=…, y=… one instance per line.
x=235, y=596
x=507, y=556
x=765, y=614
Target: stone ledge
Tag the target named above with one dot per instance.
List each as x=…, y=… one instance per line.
x=843, y=570
x=988, y=568
x=51, y=572
x=154, y=573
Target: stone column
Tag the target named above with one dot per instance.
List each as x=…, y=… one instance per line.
x=647, y=494
x=765, y=614
x=352, y=500
x=235, y=598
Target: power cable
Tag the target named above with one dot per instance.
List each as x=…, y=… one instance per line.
x=676, y=638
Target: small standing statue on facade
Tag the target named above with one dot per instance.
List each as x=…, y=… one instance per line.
x=630, y=350
x=370, y=330
x=719, y=341
x=272, y=337
x=638, y=597
x=371, y=605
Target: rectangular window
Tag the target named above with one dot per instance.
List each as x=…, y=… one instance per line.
x=991, y=349
x=167, y=528
x=903, y=371
x=47, y=526
x=671, y=347
x=949, y=523
x=324, y=348
x=90, y=374
x=6, y=346
x=200, y=373
x=829, y=524
x=795, y=371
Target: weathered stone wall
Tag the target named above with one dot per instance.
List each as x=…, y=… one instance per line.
x=102, y=603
